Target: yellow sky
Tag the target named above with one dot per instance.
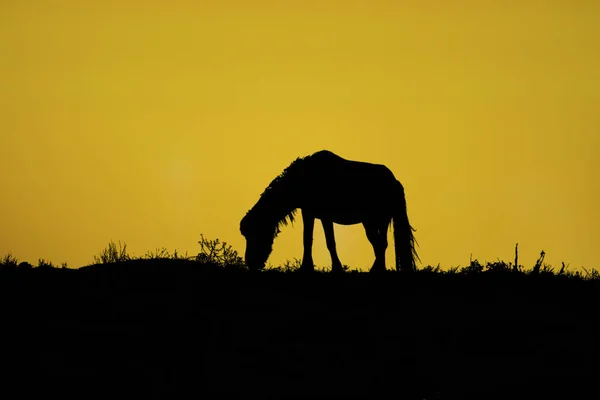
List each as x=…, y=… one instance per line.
x=153, y=122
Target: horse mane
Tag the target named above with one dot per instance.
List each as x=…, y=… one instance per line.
x=271, y=196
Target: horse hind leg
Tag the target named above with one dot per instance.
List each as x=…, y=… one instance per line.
x=378, y=239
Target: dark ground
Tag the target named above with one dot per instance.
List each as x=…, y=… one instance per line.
x=175, y=329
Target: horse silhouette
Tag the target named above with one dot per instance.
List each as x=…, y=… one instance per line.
x=328, y=187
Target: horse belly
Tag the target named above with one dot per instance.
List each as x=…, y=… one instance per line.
x=340, y=218
x=345, y=216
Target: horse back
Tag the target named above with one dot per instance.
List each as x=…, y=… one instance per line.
x=331, y=168
x=350, y=190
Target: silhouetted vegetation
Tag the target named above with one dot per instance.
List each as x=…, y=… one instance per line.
x=218, y=253
x=112, y=254
x=10, y=262
x=214, y=252
x=167, y=323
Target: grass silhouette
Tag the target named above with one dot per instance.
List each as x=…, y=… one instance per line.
x=166, y=324
x=216, y=253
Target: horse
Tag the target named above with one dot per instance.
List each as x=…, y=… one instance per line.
x=333, y=189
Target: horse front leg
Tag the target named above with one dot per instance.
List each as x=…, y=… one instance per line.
x=309, y=223
x=336, y=264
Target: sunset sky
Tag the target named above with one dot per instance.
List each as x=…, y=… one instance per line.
x=154, y=122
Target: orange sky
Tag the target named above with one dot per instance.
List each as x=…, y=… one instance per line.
x=153, y=122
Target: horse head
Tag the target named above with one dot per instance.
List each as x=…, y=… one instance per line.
x=259, y=241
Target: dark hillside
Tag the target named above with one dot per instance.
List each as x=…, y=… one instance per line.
x=166, y=327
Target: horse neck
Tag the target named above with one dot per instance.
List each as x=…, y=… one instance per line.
x=275, y=207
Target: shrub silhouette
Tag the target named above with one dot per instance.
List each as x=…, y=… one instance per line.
x=218, y=253
x=42, y=263
x=474, y=267
x=8, y=262
x=112, y=255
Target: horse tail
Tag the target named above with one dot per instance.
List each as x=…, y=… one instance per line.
x=404, y=240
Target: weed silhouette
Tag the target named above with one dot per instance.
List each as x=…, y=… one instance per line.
x=112, y=254
x=218, y=253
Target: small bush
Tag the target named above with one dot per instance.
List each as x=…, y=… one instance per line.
x=218, y=253
x=474, y=268
x=499, y=266
x=112, y=254
x=45, y=264
x=8, y=261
